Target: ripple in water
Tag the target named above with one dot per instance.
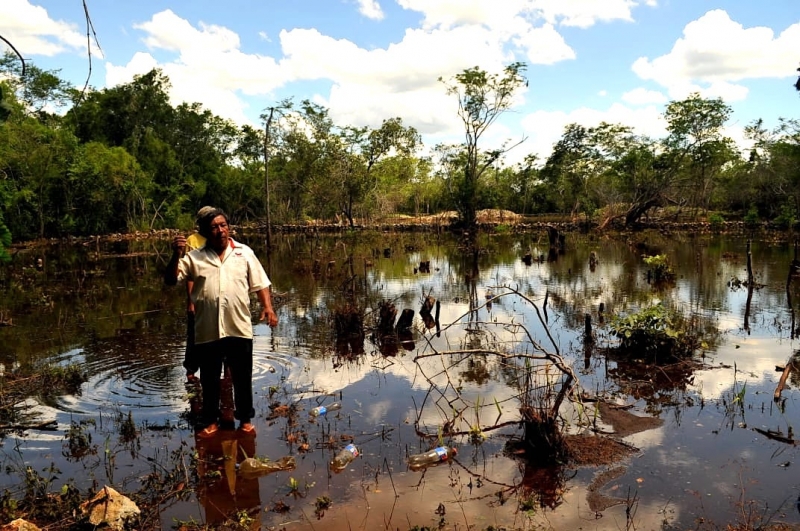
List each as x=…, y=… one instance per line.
x=132, y=371
x=144, y=372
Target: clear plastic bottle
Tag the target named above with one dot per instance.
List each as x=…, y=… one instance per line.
x=321, y=410
x=344, y=458
x=253, y=467
x=437, y=455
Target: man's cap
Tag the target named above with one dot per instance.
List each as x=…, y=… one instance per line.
x=203, y=212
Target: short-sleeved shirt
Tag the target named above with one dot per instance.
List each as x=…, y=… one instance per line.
x=221, y=291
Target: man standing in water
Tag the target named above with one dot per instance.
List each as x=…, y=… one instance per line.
x=224, y=273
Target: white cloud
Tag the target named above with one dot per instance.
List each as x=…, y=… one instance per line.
x=583, y=13
x=729, y=92
x=32, y=32
x=406, y=65
x=428, y=109
x=188, y=85
x=545, y=46
x=140, y=63
x=210, y=54
x=579, y=13
x=370, y=9
x=367, y=85
x=715, y=49
x=210, y=67
x=450, y=13
x=641, y=96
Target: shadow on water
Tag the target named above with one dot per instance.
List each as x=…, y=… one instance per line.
x=504, y=352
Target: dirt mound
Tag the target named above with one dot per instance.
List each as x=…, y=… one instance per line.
x=493, y=215
x=489, y=215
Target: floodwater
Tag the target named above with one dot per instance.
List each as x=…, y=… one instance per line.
x=721, y=449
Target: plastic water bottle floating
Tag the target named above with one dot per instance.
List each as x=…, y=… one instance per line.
x=437, y=455
x=344, y=458
x=321, y=410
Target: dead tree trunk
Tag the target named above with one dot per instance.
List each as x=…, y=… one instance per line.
x=387, y=314
x=406, y=319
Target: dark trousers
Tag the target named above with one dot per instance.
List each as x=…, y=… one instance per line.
x=237, y=354
x=190, y=361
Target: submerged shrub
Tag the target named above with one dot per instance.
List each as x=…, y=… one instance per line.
x=716, y=221
x=787, y=218
x=659, y=267
x=751, y=218
x=653, y=330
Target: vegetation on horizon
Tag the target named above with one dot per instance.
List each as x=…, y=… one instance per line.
x=123, y=158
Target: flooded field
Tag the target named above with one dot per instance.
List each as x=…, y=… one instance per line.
x=515, y=366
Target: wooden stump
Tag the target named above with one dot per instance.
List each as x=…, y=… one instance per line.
x=406, y=319
x=427, y=305
x=387, y=314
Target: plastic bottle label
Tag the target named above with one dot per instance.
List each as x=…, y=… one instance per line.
x=352, y=449
x=442, y=453
x=322, y=410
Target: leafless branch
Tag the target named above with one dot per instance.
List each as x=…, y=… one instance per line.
x=90, y=32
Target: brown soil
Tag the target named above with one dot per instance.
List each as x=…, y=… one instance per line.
x=600, y=502
x=595, y=450
x=625, y=423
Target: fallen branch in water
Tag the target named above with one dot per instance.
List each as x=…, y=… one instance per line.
x=50, y=425
x=776, y=436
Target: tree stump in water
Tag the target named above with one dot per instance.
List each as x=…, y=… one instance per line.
x=348, y=325
x=387, y=314
x=554, y=237
x=541, y=433
x=406, y=319
x=428, y=319
x=427, y=305
x=406, y=339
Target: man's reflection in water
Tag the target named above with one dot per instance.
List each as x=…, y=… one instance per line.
x=224, y=495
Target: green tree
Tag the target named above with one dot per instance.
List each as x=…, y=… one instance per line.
x=244, y=175
x=33, y=160
x=301, y=166
x=42, y=93
x=695, y=135
x=105, y=191
x=569, y=168
x=482, y=99
x=182, y=149
x=770, y=178
x=523, y=182
x=363, y=149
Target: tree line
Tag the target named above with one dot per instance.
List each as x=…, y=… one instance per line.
x=123, y=158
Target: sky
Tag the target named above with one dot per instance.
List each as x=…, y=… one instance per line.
x=619, y=61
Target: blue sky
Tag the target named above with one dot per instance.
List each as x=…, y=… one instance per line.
x=620, y=61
